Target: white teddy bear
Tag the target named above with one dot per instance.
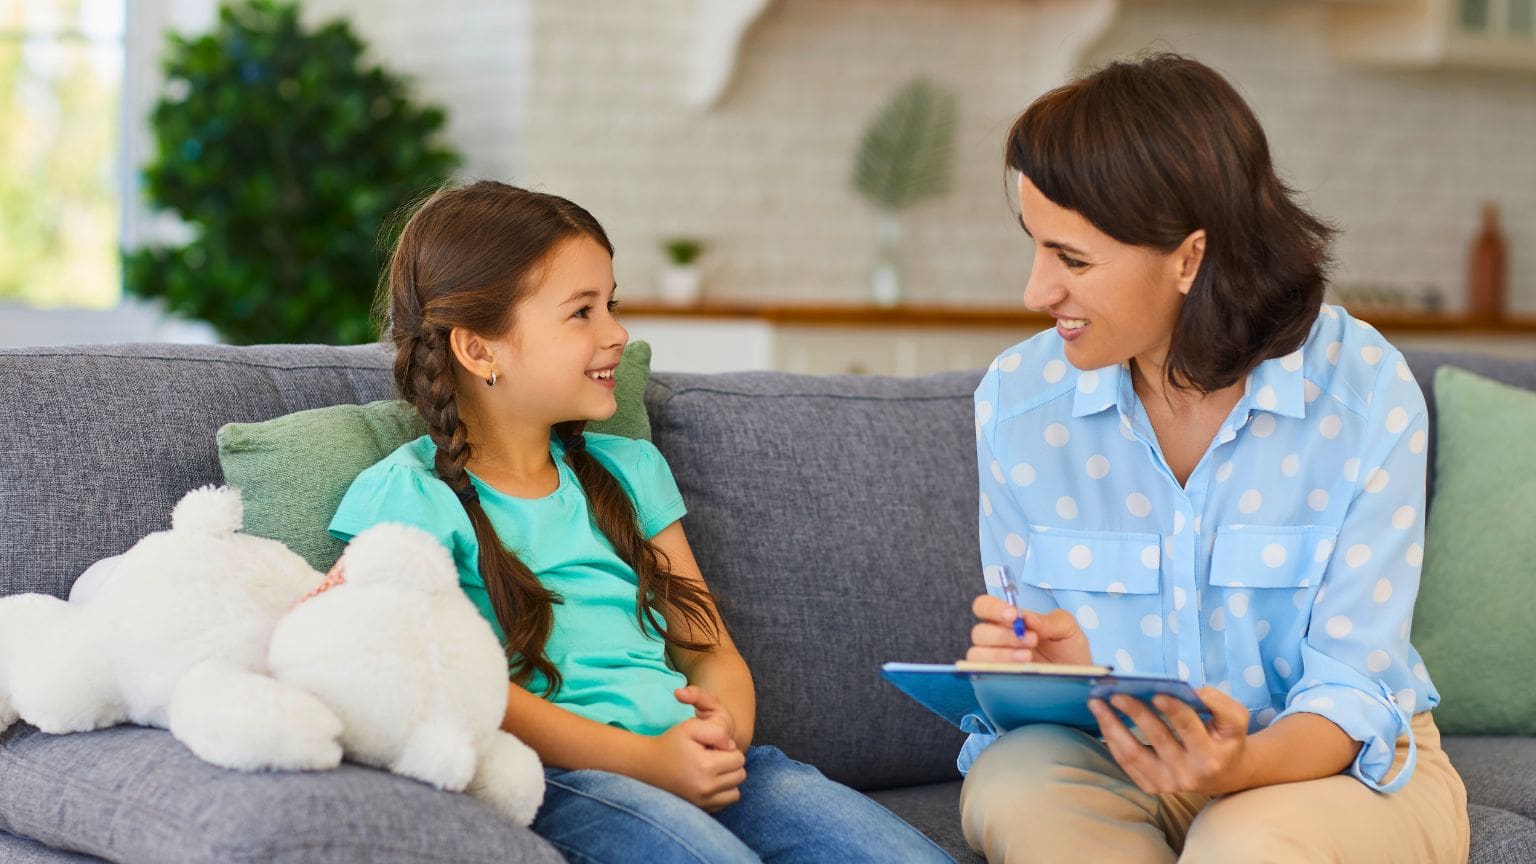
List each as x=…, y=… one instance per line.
x=184, y=606
x=196, y=630
x=419, y=680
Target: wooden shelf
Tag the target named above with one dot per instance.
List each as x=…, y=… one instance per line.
x=982, y=317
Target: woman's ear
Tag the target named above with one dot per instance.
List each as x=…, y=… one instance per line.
x=472, y=352
x=1187, y=258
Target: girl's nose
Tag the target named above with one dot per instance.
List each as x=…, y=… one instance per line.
x=619, y=336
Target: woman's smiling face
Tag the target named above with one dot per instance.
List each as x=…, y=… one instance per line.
x=1112, y=301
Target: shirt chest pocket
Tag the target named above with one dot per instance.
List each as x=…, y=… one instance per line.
x=1266, y=578
x=1109, y=581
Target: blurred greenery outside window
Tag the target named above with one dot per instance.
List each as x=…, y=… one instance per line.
x=61, y=65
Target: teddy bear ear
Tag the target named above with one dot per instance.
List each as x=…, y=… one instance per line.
x=211, y=510
x=399, y=555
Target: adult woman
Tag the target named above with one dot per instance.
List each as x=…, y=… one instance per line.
x=1201, y=471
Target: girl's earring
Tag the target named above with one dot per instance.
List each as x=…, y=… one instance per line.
x=491, y=381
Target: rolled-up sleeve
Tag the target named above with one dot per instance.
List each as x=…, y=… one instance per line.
x=1359, y=625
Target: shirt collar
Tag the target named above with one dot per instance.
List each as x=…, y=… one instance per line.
x=1276, y=385
x=1102, y=389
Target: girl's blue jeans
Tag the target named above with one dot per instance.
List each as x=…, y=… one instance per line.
x=788, y=812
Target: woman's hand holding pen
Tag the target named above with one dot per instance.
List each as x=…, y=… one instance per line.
x=698, y=761
x=1050, y=638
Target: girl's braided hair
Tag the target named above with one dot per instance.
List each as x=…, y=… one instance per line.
x=465, y=258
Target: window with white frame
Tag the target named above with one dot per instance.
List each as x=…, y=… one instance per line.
x=61, y=72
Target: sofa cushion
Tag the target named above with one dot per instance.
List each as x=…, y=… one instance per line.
x=101, y=441
x=1498, y=771
x=23, y=850
x=934, y=809
x=294, y=469
x=1480, y=565
x=835, y=520
x=1424, y=362
x=1500, y=837
x=133, y=794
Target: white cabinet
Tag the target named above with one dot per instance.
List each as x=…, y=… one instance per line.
x=1481, y=34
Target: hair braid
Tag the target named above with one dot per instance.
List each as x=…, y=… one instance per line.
x=658, y=588
x=523, y=606
x=464, y=259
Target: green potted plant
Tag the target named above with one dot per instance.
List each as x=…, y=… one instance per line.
x=680, y=280
x=285, y=154
x=904, y=157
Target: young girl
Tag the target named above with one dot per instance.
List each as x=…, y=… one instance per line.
x=623, y=676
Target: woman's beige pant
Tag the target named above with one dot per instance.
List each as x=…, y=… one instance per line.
x=1049, y=794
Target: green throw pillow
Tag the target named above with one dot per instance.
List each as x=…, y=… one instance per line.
x=293, y=470
x=1472, y=621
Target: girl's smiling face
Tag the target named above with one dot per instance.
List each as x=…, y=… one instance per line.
x=558, y=360
x=1112, y=301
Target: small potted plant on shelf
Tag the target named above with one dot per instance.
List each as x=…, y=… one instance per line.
x=680, y=279
x=904, y=157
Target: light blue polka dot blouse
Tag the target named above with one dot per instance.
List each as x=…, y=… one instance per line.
x=1284, y=572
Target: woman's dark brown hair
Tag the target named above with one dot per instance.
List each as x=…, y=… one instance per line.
x=466, y=258
x=1150, y=151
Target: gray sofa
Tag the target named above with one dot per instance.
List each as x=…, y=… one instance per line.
x=835, y=518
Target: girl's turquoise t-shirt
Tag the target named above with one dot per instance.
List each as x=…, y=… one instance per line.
x=613, y=672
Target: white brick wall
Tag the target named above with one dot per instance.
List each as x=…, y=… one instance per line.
x=764, y=176
x=470, y=57
x=1399, y=160
x=583, y=98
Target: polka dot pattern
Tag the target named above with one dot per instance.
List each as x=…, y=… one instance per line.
x=1087, y=618
x=1317, y=506
x=1080, y=557
x=1383, y=590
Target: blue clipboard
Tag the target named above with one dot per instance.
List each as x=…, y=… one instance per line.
x=1010, y=695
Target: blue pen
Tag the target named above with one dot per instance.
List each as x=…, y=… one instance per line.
x=1013, y=600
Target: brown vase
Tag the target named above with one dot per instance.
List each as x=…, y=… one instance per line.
x=1485, y=270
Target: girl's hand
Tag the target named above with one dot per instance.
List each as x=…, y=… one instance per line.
x=1182, y=753
x=708, y=709
x=1050, y=638
x=697, y=761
